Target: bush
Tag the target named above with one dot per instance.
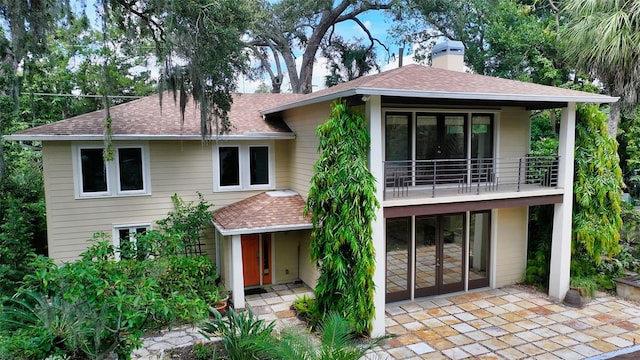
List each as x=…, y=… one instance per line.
x=97, y=305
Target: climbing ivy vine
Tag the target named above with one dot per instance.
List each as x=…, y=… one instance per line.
x=342, y=206
x=597, y=188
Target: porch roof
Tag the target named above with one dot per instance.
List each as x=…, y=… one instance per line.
x=422, y=82
x=271, y=211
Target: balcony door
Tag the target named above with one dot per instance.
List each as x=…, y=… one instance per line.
x=440, y=137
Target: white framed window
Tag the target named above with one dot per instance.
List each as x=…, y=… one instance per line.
x=243, y=167
x=124, y=236
x=127, y=174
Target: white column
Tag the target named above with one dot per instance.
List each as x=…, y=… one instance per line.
x=374, y=115
x=237, y=277
x=563, y=212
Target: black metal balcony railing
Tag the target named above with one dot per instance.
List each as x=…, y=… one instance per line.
x=435, y=177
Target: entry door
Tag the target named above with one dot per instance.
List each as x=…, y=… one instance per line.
x=256, y=259
x=439, y=254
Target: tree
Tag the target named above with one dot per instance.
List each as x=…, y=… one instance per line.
x=502, y=38
x=601, y=38
x=199, y=44
x=342, y=205
x=597, y=189
x=348, y=61
x=279, y=29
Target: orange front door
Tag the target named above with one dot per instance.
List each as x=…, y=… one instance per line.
x=256, y=263
x=251, y=259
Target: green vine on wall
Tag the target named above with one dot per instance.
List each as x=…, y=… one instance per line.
x=597, y=187
x=342, y=205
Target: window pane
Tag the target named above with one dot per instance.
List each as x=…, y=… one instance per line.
x=130, y=165
x=229, y=166
x=426, y=137
x=398, y=240
x=453, y=144
x=94, y=173
x=259, y=165
x=397, y=137
x=482, y=136
x=479, y=236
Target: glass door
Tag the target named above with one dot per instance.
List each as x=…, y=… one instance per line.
x=398, y=233
x=439, y=255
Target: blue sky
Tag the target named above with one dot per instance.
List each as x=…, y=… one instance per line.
x=376, y=21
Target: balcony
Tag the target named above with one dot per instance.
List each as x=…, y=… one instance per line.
x=453, y=177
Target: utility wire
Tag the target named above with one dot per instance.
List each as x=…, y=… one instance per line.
x=83, y=96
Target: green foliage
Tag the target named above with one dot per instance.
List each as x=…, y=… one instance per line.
x=97, y=305
x=587, y=285
x=187, y=219
x=597, y=189
x=342, y=205
x=337, y=342
x=22, y=216
x=205, y=36
x=244, y=336
x=204, y=351
x=306, y=310
x=539, y=246
x=503, y=38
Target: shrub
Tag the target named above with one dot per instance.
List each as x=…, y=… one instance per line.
x=97, y=305
x=244, y=336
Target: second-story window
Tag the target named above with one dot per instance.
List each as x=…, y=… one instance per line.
x=243, y=167
x=127, y=174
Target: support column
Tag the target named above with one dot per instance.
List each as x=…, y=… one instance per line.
x=563, y=213
x=374, y=115
x=237, y=276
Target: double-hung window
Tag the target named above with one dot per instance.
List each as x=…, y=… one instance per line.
x=243, y=167
x=125, y=240
x=126, y=174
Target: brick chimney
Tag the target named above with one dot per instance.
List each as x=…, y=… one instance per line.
x=448, y=55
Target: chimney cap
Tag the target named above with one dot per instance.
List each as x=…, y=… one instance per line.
x=447, y=47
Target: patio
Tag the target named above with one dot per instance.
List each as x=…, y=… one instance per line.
x=514, y=322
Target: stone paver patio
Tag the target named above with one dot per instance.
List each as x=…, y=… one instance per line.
x=509, y=323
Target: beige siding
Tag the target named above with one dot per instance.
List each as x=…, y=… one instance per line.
x=510, y=245
x=304, y=150
x=177, y=167
x=285, y=254
x=513, y=133
x=308, y=271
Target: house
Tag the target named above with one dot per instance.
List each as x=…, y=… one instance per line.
x=449, y=151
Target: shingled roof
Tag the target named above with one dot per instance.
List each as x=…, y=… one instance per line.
x=417, y=81
x=266, y=212
x=144, y=118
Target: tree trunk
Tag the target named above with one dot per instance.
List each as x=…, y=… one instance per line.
x=614, y=118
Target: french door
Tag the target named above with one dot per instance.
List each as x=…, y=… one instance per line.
x=436, y=254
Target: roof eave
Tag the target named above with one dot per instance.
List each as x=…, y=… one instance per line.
x=141, y=137
x=261, y=230
x=560, y=100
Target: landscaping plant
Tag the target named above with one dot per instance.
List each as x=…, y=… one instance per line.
x=342, y=206
x=96, y=306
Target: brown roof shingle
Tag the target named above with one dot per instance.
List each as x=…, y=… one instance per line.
x=145, y=117
x=267, y=211
x=429, y=82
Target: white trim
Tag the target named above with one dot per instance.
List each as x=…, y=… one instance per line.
x=112, y=171
x=244, y=167
x=261, y=230
x=115, y=235
x=556, y=99
x=143, y=137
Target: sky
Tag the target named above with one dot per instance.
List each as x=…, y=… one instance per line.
x=375, y=21
x=377, y=24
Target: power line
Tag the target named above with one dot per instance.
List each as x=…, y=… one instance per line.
x=83, y=96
